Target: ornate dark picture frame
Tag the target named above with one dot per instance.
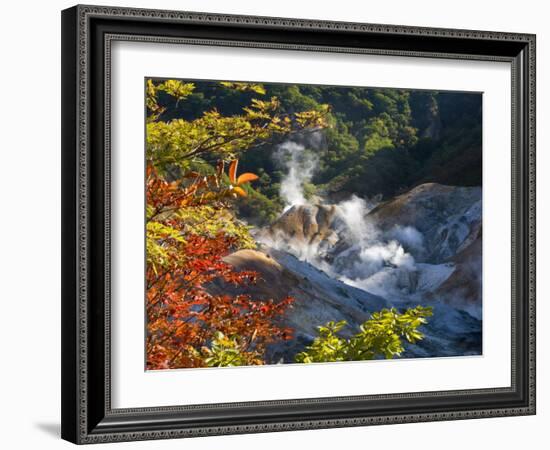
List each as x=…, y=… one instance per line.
x=87, y=34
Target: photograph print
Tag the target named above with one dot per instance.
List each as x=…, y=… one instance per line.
x=301, y=224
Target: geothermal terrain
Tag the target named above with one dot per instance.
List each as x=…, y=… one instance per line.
x=343, y=261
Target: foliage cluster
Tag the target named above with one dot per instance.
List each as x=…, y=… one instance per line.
x=380, y=336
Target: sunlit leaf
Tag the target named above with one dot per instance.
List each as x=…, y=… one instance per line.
x=246, y=177
x=240, y=191
x=233, y=171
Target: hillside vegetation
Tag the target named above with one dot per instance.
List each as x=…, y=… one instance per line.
x=377, y=141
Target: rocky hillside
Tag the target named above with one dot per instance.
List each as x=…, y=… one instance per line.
x=345, y=261
x=318, y=297
x=447, y=217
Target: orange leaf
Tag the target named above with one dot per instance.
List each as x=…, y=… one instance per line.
x=239, y=191
x=246, y=177
x=233, y=171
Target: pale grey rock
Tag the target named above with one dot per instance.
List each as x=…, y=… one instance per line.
x=420, y=248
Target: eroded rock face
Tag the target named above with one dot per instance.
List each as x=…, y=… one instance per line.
x=314, y=226
x=306, y=222
x=463, y=289
x=449, y=221
x=274, y=279
x=318, y=297
x=448, y=217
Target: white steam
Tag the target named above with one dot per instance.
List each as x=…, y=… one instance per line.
x=353, y=212
x=356, y=252
x=301, y=166
x=409, y=236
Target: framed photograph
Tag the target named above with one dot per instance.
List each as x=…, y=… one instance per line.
x=280, y=224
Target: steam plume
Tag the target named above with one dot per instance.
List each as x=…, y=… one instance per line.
x=300, y=166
